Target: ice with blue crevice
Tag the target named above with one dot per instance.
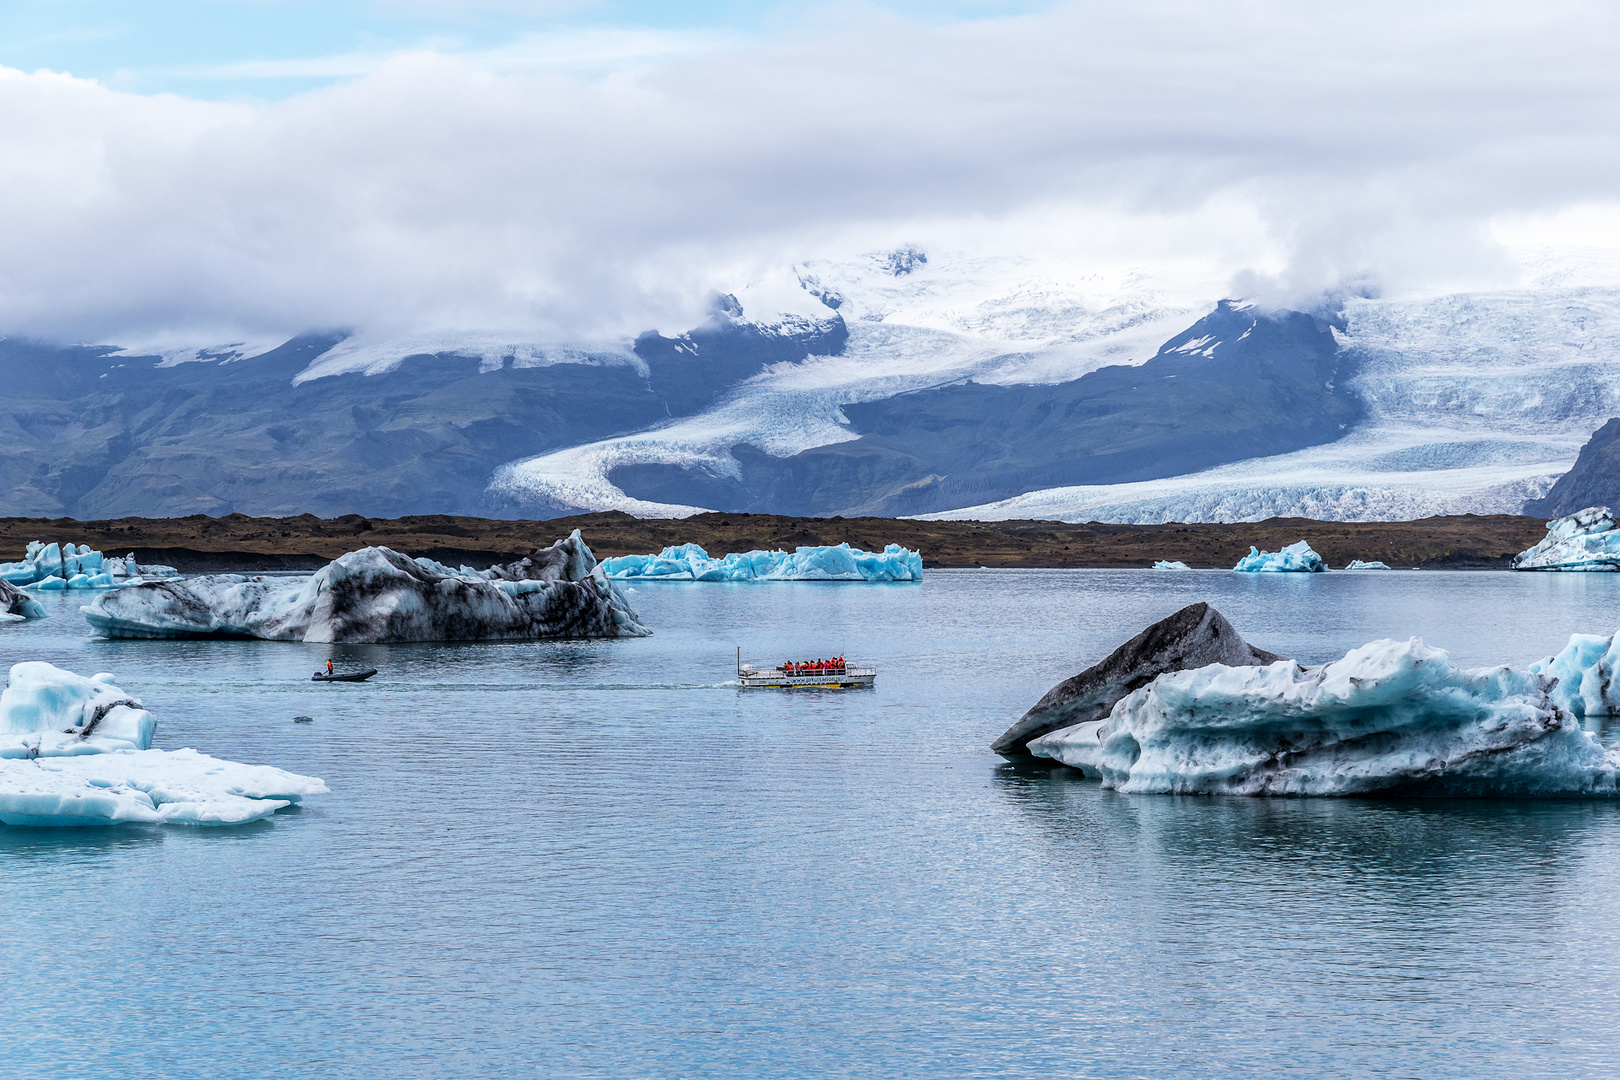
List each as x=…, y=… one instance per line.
x=1389, y=717
x=1584, y=541
x=839, y=562
x=1295, y=558
x=78, y=751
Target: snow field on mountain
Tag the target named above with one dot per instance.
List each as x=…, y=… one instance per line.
x=1475, y=404
x=928, y=327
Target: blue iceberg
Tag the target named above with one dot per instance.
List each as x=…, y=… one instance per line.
x=1390, y=717
x=1295, y=558
x=689, y=562
x=1171, y=564
x=1357, y=564
x=78, y=751
x=60, y=567
x=1585, y=540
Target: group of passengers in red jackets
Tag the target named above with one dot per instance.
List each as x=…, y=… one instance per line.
x=813, y=667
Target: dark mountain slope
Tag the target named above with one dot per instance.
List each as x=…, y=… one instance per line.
x=86, y=434
x=1594, y=480
x=1235, y=385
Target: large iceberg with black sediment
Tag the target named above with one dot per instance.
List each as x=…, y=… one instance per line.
x=1390, y=717
x=838, y=562
x=78, y=751
x=1295, y=558
x=377, y=595
x=1585, y=540
x=60, y=567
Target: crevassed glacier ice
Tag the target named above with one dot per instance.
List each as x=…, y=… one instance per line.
x=1585, y=540
x=1358, y=564
x=77, y=751
x=376, y=594
x=1391, y=716
x=1165, y=564
x=76, y=566
x=840, y=562
x=1295, y=558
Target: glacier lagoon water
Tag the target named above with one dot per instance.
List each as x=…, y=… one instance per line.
x=598, y=859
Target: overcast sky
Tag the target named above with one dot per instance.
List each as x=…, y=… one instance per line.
x=586, y=170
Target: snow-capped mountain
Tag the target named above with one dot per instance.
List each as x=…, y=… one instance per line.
x=912, y=381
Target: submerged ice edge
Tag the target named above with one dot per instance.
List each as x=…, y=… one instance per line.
x=77, y=750
x=838, y=562
x=1390, y=717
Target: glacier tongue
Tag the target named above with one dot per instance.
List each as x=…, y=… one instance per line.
x=1585, y=540
x=1390, y=716
x=840, y=562
x=77, y=751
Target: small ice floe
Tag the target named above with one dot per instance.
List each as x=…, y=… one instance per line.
x=1165, y=564
x=840, y=562
x=1358, y=564
x=1585, y=540
x=377, y=595
x=1295, y=558
x=77, y=751
x=60, y=567
x=1393, y=717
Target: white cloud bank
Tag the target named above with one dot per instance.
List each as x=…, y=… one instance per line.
x=1374, y=141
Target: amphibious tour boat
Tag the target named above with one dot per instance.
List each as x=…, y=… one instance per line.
x=825, y=674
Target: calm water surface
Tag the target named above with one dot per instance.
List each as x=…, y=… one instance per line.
x=598, y=859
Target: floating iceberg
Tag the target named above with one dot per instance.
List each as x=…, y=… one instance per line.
x=1193, y=637
x=77, y=751
x=1295, y=558
x=689, y=562
x=376, y=594
x=76, y=566
x=1164, y=564
x=1585, y=540
x=1357, y=564
x=16, y=605
x=1390, y=717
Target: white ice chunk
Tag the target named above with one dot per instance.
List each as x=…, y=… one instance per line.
x=1391, y=716
x=1585, y=540
x=45, y=709
x=77, y=751
x=1165, y=564
x=840, y=562
x=1295, y=558
x=1358, y=564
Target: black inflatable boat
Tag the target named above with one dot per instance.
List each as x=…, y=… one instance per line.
x=343, y=676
